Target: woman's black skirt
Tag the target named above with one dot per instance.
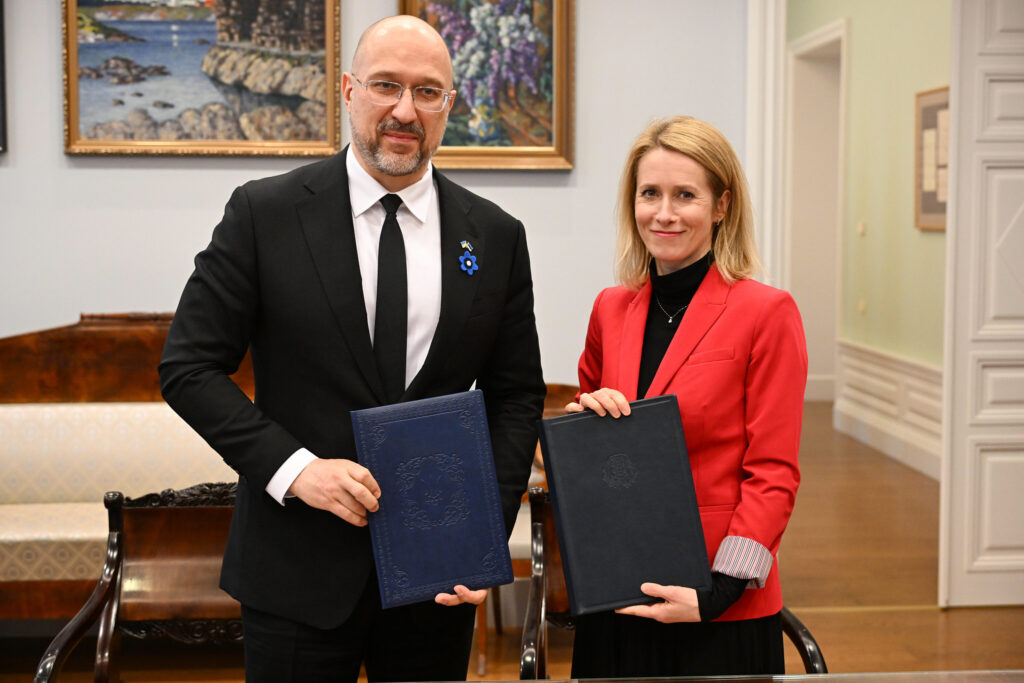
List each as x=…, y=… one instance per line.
x=609, y=645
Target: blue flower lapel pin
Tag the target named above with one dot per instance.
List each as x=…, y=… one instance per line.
x=467, y=261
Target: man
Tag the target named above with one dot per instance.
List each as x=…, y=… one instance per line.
x=292, y=273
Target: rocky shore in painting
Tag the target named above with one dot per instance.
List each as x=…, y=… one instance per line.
x=121, y=70
x=218, y=121
x=265, y=73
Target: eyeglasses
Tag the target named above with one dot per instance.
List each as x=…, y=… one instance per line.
x=424, y=97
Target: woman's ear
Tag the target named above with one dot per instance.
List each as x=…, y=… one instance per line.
x=722, y=205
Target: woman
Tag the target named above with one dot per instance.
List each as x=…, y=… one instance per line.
x=688, y=321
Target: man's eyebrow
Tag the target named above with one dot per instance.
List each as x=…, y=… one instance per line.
x=391, y=76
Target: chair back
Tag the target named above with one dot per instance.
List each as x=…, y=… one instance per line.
x=160, y=578
x=173, y=546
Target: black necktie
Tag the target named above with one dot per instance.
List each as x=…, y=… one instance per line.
x=389, y=328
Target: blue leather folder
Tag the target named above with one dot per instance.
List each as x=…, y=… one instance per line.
x=440, y=521
x=624, y=504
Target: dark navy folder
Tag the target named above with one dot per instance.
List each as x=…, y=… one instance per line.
x=440, y=521
x=624, y=504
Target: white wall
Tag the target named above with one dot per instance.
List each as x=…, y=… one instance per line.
x=116, y=234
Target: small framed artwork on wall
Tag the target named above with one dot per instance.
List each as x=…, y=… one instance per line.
x=931, y=158
x=514, y=80
x=231, y=77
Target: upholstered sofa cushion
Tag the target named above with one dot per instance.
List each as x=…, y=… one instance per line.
x=76, y=452
x=52, y=541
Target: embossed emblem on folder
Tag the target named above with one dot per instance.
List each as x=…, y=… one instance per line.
x=619, y=471
x=434, y=491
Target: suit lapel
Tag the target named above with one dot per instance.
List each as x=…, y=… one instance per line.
x=457, y=288
x=326, y=219
x=707, y=305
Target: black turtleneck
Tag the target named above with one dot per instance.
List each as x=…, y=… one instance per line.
x=670, y=296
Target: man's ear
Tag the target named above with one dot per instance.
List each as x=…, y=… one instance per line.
x=346, y=89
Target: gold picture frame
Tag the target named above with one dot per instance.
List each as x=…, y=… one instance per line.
x=166, y=79
x=521, y=116
x=931, y=158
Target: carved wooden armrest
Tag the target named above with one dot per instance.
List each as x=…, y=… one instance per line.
x=98, y=603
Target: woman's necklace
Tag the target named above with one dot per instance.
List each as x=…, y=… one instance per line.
x=671, y=316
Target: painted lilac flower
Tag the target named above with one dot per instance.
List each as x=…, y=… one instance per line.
x=493, y=46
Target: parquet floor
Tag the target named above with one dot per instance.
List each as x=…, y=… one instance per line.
x=859, y=567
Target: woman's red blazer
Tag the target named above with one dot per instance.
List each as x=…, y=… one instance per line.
x=738, y=366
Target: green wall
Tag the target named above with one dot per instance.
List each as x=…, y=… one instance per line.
x=896, y=48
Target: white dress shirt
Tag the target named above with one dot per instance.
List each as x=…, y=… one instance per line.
x=419, y=218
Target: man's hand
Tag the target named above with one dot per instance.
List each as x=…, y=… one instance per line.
x=604, y=401
x=342, y=487
x=462, y=595
x=680, y=604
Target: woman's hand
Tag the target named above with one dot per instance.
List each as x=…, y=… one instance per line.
x=462, y=595
x=604, y=401
x=680, y=604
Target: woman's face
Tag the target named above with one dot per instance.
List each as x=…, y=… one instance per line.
x=675, y=208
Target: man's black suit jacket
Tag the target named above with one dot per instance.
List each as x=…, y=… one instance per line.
x=281, y=278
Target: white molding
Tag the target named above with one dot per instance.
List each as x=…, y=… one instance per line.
x=820, y=388
x=766, y=87
x=892, y=404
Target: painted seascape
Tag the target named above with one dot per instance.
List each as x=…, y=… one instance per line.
x=234, y=70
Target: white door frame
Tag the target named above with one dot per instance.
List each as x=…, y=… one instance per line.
x=766, y=45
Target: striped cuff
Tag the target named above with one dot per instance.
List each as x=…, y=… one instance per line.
x=743, y=558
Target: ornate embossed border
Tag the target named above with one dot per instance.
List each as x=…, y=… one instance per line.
x=75, y=143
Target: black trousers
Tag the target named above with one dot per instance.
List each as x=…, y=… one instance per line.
x=419, y=642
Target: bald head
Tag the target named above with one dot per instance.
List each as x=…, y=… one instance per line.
x=409, y=34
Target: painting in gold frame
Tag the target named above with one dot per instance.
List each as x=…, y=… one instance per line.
x=218, y=77
x=931, y=158
x=514, y=105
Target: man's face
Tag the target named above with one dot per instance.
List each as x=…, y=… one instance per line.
x=395, y=142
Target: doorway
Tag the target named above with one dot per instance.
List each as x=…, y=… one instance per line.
x=814, y=196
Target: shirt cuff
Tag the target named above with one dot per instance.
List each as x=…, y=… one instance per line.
x=743, y=558
x=286, y=473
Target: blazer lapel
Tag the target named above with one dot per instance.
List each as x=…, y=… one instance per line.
x=707, y=305
x=632, y=343
x=326, y=220
x=457, y=288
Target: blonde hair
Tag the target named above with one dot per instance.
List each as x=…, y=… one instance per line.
x=733, y=239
